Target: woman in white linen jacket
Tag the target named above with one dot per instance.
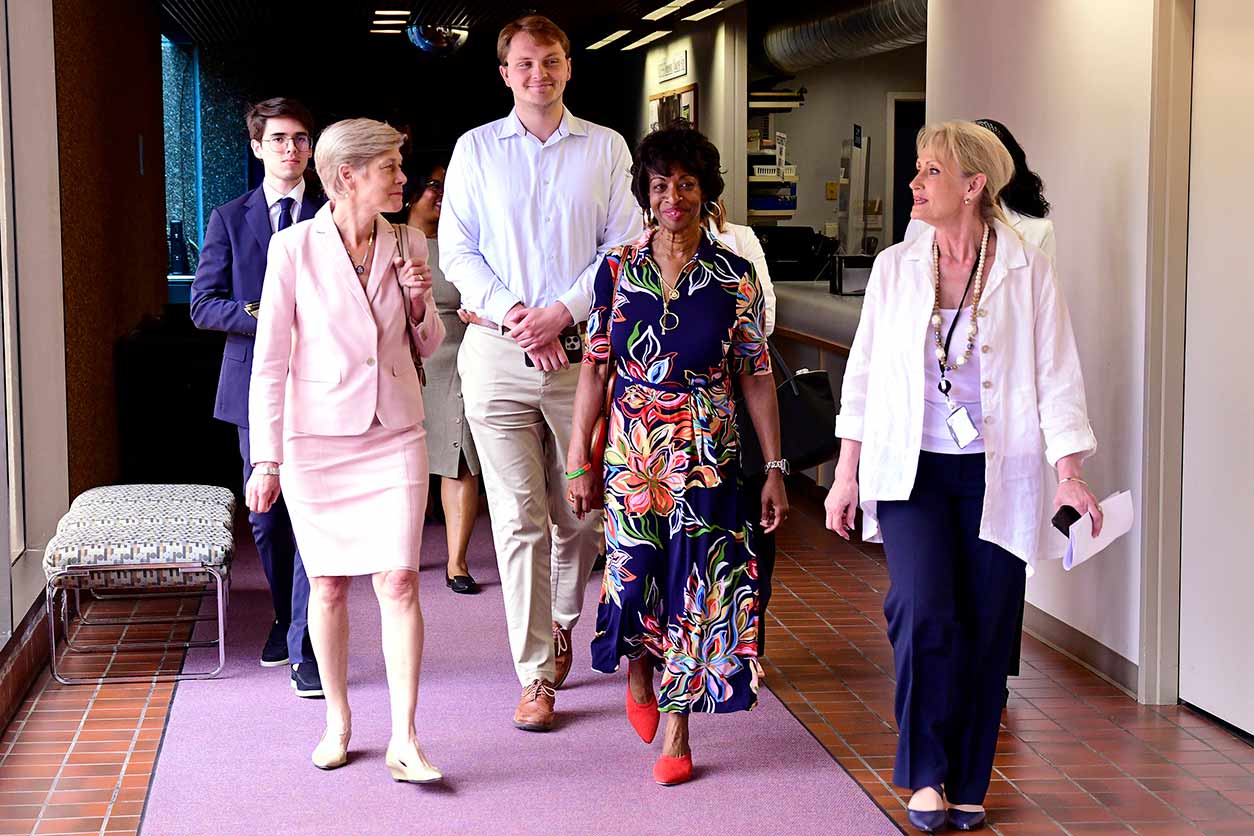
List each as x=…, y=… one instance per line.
x=963, y=374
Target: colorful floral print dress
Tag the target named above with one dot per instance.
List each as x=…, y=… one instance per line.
x=680, y=582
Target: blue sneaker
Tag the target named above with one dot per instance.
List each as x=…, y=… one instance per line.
x=305, y=680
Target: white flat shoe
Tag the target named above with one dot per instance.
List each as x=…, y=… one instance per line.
x=413, y=770
x=332, y=750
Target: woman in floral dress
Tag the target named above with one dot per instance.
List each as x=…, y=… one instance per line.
x=679, y=318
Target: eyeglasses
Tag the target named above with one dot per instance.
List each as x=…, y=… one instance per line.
x=278, y=142
x=434, y=185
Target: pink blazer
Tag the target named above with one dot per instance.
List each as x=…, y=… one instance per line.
x=331, y=356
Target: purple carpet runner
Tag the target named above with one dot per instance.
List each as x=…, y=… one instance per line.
x=235, y=758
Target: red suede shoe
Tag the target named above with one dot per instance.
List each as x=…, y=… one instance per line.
x=670, y=771
x=644, y=717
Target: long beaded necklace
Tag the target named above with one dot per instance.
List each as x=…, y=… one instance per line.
x=942, y=349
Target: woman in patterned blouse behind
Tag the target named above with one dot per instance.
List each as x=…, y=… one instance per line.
x=678, y=320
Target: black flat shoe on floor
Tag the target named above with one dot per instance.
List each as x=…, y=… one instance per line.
x=966, y=820
x=929, y=821
x=461, y=584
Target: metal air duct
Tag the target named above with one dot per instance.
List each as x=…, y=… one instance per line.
x=880, y=26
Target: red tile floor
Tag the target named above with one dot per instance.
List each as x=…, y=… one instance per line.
x=1076, y=756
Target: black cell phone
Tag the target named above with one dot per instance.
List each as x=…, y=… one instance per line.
x=1064, y=519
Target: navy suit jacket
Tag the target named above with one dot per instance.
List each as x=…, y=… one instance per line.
x=232, y=267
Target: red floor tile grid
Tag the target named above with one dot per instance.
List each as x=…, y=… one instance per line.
x=78, y=759
x=1076, y=755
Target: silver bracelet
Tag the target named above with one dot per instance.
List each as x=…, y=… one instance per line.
x=1073, y=479
x=267, y=469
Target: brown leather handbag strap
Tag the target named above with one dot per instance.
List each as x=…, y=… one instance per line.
x=402, y=252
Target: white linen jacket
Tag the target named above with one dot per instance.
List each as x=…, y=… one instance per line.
x=1032, y=392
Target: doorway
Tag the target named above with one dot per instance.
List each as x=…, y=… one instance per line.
x=905, y=118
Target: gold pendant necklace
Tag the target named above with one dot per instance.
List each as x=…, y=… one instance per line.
x=360, y=269
x=670, y=319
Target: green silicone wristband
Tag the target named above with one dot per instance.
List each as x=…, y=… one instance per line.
x=576, y=474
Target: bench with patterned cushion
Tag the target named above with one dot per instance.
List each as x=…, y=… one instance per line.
x=161, y=531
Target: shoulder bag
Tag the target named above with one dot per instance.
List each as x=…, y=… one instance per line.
x=402, y=252
x=807, y=420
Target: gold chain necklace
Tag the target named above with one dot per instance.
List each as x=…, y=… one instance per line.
x=942, y=354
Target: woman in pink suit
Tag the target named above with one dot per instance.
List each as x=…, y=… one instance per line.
x=336, y=405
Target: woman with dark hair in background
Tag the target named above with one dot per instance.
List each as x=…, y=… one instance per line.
x=1022, y=201
x=449, y=443
x=677, y=318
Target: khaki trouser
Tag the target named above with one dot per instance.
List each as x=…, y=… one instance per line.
x=520, y=418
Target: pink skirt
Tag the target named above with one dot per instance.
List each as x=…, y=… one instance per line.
x=357, y=502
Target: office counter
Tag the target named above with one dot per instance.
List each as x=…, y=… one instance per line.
x=814, y=329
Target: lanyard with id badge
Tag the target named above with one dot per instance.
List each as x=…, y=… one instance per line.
x=961, y=427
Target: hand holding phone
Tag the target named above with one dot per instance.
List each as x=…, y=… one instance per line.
x=1064, y=519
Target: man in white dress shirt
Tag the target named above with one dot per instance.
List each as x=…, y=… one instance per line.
x=531, y=204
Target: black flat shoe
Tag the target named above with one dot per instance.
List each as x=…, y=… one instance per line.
x=963, y=820
x=929, y=821
x=461, y=584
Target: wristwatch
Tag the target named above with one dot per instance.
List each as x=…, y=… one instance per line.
x=267, y=469
x=779, y=464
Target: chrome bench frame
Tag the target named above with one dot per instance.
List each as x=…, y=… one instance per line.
x=221, y=593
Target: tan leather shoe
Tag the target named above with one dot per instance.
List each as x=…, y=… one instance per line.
x=535, y=709
x=563, y=653
x=332, y=750
x=411, y=766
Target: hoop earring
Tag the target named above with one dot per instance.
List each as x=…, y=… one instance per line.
x=649, y=220
x=716, y=212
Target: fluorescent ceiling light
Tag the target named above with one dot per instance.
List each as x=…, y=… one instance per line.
x=673, y=6
x=392, y=22
x=387, y=31
x=704, y=13
x=649, y=38
x=391, y=12
x=609, y=39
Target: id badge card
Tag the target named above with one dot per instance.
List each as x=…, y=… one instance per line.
x=961, y=427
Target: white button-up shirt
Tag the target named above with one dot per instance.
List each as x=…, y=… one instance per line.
x=526, y=221
x=1032, y=394
x=297, y=194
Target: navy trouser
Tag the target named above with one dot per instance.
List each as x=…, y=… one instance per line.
x=953, y=611
x=289, y=586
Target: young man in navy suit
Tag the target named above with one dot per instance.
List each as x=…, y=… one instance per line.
x=225, y=296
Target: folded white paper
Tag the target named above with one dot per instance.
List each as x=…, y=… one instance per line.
x=1117, y=513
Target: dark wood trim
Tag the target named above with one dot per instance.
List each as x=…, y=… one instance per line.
x=810, y=339
x=22, y=659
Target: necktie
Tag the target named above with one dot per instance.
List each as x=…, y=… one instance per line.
x=285, y=212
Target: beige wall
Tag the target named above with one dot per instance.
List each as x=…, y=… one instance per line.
x=717, y=63
x=837, y=95
x=1071, y=78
